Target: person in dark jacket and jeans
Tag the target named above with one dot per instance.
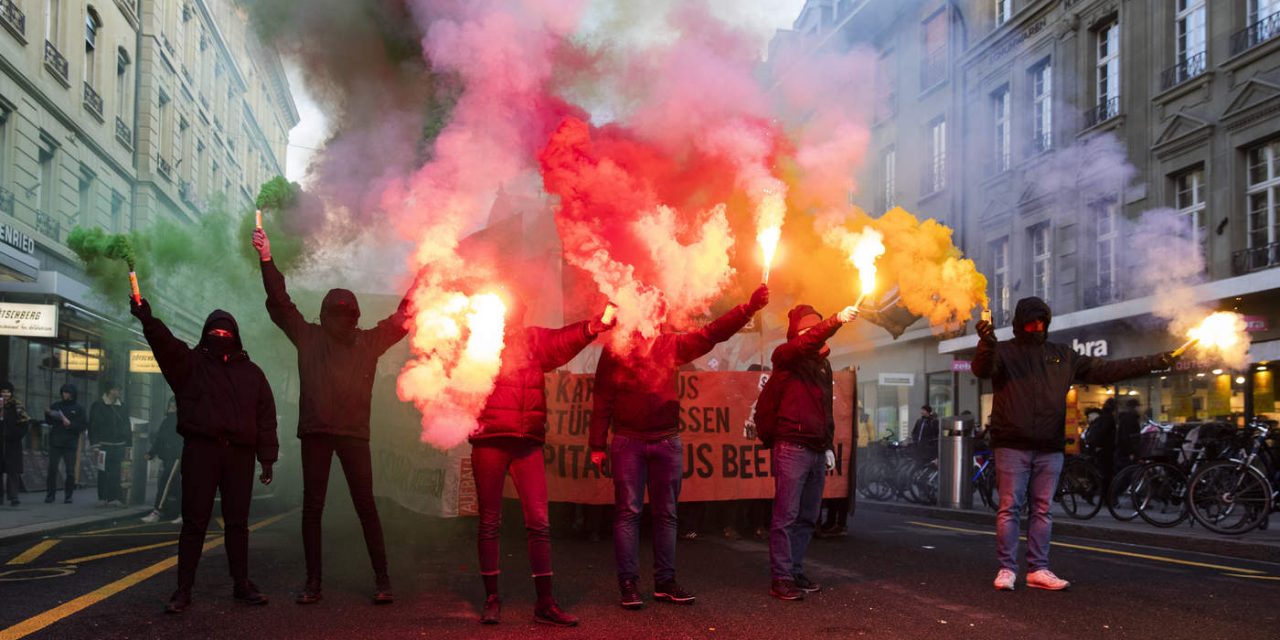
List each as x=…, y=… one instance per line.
x=924, y=435
x=226, y=417
x=336, y=365
x=13, y=428
x=166, y=445
x=66, y=422
x=636, y=396
x=802, y=444
x=508, y=439
x=111, y=431
x=1031, y=377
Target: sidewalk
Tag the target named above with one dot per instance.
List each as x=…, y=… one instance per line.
x=1188, y=536
x=34, y=517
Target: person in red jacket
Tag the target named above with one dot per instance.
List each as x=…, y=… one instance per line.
x=636, y=396
x=336, y=366
x=508, y=439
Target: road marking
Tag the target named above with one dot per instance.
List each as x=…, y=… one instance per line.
x=132, y=526
x=120, y=552
x=1114, y=552
x=34, y=552
x=72, y=607
x=1277, y=578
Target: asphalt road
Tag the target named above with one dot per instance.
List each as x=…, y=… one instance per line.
x=894, y=576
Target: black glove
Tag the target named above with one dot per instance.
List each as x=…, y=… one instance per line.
x=759, y=298
x=986, y=331
x=1167, y=360
x=140, y=309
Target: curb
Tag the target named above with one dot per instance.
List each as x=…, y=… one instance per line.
x=1219, y=546
x=46, y=529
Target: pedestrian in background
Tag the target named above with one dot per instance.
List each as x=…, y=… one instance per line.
x=13, y=428
x=924, y=435
x=66, y=422
x=111, y=432
x=1128, y=434
x=166, y=445
x=1101, y=439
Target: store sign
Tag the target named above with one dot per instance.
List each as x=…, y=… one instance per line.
x=17, y=239
x=961, y=366
x=1256, y=324
x=1096, y=348
x=897, y=379
x=82, y=360
x=30, y=320
x=142, y=361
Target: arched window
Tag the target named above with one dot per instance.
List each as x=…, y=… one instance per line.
x=92, y=28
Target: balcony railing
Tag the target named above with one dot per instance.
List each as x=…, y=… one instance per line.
x=933, y=180
x=92, y=101
x=934, y=69
x=55, y=62
x=6, y=201
x=1183, y=71
x=187, y=192
x=163, y=167
x=48, y=226
x=124, y=134
x=1255, y=34
x=1256, y=258
x=1105, y=111
x=13, y=17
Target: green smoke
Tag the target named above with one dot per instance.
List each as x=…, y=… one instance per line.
x=108, y=258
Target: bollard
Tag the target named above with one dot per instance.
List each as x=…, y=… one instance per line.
x=955, y=463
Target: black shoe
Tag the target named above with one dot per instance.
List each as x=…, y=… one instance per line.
x=806, y=585
x=630, y=595
x=492, y=609
x=14, y=503
x=785, y=590
x=552, y=614
x=247, y=592
x=178, y=602
x=670, y=591
x=310, y=594
x=48, y=499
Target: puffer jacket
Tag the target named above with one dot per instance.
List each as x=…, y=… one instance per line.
x=517, y=408
x=1031, y=378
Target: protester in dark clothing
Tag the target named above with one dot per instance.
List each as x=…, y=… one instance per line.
x=508, y=439
x=13, y=428
x=636, y=396
x=800, y=429
x=924, y=434
x=66, y=422
x=1101, y=439
x=226, y=417
x=110, y=431
x=1030, y=377
x=166, y=445
x=1128, y=434
x=336, y=366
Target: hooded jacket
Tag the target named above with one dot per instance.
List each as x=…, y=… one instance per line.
x=109, y=424
x=16, y=422
x=221, y=394
x=166, y=444
x=517, y=408
x=636, y=395
x=336, y=360
x=1031, y=377
x=800, y=365
x=62, y=436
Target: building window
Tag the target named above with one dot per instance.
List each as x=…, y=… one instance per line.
x=886, y=87
x=1264, y=196
x=166, y=127
x=52, y=20
x=1000, y=106
x=933, y=65
x=888, y=179
x=122, y=81
x=117, y=212
x=47, y=196
x=1003, y=11
x=1107, y=74
x=92, y=25
x=1190, y=205
x=86, y=195
x=1042, y=107
x=1190, y=28
x=1105, y=213
x=935, y=179
x=1000, y=306
x=1041, y=261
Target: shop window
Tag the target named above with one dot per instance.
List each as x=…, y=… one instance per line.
x=941, y=393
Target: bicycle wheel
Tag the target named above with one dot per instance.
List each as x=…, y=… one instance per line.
x=1120, y=500
x=1161, y=495
x=1230, y=498
x=924, y=485
x=877, y=486
x=1080, y=489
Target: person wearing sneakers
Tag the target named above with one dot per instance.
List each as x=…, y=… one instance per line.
x=1031, y=377
x=66, y=422
x=166, y=445
x=794, y=417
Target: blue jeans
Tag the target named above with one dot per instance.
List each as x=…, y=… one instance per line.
x=1015, y=470
x=798, y=476
x=657, y=465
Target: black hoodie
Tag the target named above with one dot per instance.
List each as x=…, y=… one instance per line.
x=336, y=360
x=1031, y=377
x=63, y=436
x=222, y=395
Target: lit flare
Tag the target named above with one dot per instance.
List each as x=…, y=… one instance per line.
x=1222, y=331
x=866, y=250
x=768, y=239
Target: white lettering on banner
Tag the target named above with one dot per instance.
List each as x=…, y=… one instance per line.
x=1096, y=348
x=29, y=320
x=17, y=239
x=142, y=361
x=898, y=379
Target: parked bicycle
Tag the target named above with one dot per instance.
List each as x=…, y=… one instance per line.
x=1238, y=495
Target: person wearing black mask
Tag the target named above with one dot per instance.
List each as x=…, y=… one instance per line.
x=66, y=422
x=166, y=445
x=13, y=428
x=226, y=417
x=336, y=366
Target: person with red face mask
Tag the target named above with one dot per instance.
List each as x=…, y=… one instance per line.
x=336, y=365
x=1031, y=377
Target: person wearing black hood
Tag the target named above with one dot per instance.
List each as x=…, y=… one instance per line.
x=226, y=417
x=795, y=418
x=66, y=422
x=336, y=366
x=166, y=445
x=110, y=431
x=1031, y=377
x=13, y=428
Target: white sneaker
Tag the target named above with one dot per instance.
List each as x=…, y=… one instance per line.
x=177, y=520
x=1005, y=580
x=154, y=516
x=1044, y=579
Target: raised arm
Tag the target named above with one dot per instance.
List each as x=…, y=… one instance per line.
x=555, y=347
x=280, y=306
x=1091, y=370
x=810, y=342
x=695, y=344
x=986, y=362
x=173, y=355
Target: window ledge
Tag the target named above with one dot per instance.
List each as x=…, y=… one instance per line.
x=1184, y=88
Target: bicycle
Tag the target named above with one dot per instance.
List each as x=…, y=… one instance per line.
x=1235, y=496
x=1160, y=491
x=1080, y=488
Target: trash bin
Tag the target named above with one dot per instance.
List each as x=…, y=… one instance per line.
x=955, y=463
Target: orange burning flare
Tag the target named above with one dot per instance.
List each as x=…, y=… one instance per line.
x=133, y=285
x=258, y=218
x=868, y=247
x=768, y=239
x=1222, y=331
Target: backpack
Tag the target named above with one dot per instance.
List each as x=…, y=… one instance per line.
x=767, y=405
